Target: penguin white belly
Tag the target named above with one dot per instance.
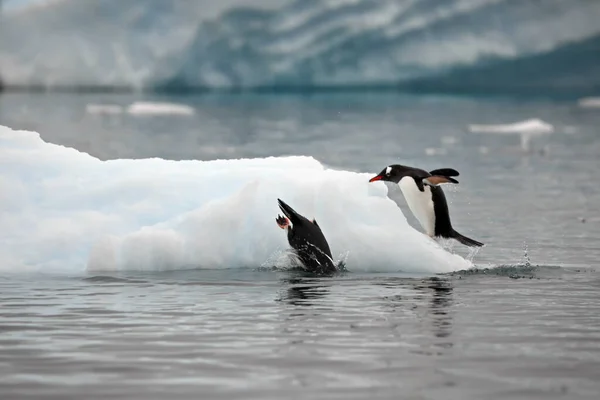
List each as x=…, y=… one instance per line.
x=420, y=203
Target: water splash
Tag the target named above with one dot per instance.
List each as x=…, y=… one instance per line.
x=447, y=244
x=526, y=254
x=341, y=261
x=473, y=251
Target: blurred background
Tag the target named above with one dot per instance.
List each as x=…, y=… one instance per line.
x=547, y=47
x=505, y=91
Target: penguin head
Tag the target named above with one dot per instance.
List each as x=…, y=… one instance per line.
x=391, y=173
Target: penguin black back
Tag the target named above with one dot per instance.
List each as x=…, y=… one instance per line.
x=443, y=226
x=307, y=239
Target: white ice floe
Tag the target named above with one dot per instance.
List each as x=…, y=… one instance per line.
x=589, y=102
x=526, y=129
x=151, y=108
x=527, y=126
x=61, y=209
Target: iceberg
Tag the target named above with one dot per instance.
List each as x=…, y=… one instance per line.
x=64, y=210
x=532, y=126
x=171, y=45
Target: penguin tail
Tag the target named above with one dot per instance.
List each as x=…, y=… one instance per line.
x=445, y=172
x=465, y=240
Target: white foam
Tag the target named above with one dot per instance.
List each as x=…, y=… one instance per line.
x=63, y=209
x=589, y=102
x=527, y=126
x=151, y=108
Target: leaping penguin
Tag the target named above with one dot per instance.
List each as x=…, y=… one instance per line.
x=307, y=239
x=426, y=199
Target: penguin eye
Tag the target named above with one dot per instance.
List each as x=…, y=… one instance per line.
x=388, y=170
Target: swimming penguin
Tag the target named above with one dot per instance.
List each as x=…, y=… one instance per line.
x=307, y=239
x=426, y=199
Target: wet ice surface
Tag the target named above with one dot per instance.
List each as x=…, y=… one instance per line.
x=265, y=335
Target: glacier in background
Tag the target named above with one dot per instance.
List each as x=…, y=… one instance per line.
x=548, y=46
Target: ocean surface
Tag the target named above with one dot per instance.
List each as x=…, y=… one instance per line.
x=524, y=324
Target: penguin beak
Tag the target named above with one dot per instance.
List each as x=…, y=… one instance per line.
x=376, y=178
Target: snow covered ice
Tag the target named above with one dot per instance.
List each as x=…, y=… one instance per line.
x=61, y=209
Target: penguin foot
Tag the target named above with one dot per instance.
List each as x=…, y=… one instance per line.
x=282, y=222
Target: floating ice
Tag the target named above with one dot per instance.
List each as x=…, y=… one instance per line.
x=150, y=108
x=141, y=108
x=527, y=126
x=526, y=129
x=589, y=102
x=63, y=209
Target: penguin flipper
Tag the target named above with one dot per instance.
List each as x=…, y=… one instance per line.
x=437, y=179
x=445, y=172
x=419, y=183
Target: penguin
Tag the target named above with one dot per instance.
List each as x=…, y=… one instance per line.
x=426, y=199
x=307, y=239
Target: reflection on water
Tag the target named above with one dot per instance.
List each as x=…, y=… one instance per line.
x=304, y=291
x=441, y=300
x=430, y=298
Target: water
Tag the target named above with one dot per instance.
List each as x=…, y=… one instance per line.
x=250, y=335
x=526, y=328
